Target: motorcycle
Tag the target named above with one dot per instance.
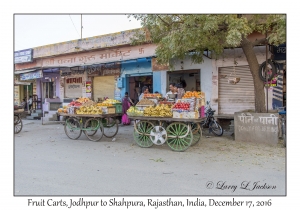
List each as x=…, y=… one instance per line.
x=210, y=122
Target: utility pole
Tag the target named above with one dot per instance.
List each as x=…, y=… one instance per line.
x=81, y=26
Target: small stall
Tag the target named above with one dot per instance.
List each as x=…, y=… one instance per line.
x=94, y=119
x=175, y=122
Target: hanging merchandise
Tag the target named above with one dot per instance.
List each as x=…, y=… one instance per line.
x=233, y=79
x=271, y=70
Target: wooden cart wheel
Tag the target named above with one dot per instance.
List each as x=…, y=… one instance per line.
x=141, y=133
x=158, y=135
x=180, y=136
x=197, y=133
x=111, y=127
x=93, y=128
x=73, y=128
x=18, y=124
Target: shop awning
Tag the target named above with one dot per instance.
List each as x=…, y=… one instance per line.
x=22, y=83
x=24, y=71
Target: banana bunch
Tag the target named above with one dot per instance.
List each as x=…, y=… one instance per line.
x=111, y=101
x=94, y=109
x=161, y=110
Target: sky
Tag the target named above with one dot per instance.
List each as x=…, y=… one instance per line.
x=37, y=30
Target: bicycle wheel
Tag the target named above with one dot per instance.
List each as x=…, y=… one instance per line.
x=110, y=127
x=270, y=68
x=72, y=128
x=216, y=128
x=93, y=128
x=18, y=124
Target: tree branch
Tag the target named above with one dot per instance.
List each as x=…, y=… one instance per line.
x=259, y=41
x=163, y=20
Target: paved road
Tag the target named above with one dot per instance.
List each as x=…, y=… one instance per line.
x=48, y=163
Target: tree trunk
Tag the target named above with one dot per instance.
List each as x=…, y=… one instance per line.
x=259, y=89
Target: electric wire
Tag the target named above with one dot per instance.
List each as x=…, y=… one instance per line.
x=74, y=25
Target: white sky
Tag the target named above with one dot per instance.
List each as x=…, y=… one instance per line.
x=38, y=30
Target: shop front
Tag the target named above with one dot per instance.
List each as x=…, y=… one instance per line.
x=135, y=75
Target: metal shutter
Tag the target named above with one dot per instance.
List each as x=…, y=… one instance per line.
x=104, y=86
x=238, y=97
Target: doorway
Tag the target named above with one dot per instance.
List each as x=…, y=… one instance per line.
x=136, y=83
x=190, y=79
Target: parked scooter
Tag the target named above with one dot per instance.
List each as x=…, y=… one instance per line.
x=210, y=122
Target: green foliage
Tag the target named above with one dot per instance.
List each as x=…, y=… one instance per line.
x=177, y=35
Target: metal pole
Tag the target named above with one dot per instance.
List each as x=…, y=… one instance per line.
x=27, y=99
x=81, y=26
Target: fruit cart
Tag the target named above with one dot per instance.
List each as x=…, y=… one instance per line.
x=178, y=133
x=94, y=126
x=18, y=120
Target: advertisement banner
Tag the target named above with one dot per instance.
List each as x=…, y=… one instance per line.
x=31, y=75
x=24, y=56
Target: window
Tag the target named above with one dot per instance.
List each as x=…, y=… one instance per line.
x=48, y=89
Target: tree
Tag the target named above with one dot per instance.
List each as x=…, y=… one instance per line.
x=177, y=36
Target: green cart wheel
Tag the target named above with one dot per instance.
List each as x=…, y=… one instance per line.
x=93, y=129
x=197, y=133
x=141, y=133
x=72, y=128
x=110, y=127
x=180, y=136
x=18, y=124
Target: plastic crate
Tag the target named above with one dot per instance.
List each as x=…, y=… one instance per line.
x=118, y=108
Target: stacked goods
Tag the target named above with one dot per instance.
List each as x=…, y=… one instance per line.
x=133, y=111
x=181, y=106
x=109, y=102
x=192, y=94
x=152, y=95
x=91, y=109
x=146, y=102
x=142, y=104
x=82, y=100
x=185, y=108
x=160, y=110
x=166, y=102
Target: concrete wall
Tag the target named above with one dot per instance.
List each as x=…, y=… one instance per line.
x=227, y=59
x=206, y=72
x=90, y=43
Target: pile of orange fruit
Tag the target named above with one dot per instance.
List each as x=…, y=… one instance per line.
x=191, y=94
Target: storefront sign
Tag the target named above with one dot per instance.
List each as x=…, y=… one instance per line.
x=109, y=69
x=88, y=85
x=24, y=56
x=256, y=127
x=31, y=75
x=74, y=80
x=102, y=56
x=279, y=52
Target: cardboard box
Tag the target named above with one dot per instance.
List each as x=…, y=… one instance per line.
x=177, y=114
x=109, y=110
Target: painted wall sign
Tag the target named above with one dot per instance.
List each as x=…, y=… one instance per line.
x=256, y=127
x=103, y=56
x=104, y=69
x=31, y=75
x=23, y=56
